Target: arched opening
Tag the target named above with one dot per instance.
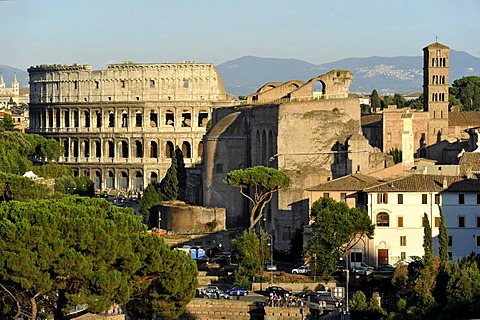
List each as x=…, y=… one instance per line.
x=75, y=148
x=124, y=119
x=99, y=119
x=57, y=118
x=186, y=149
x=169, y=118
x=138, y=181
x=200, y=149
x=66, y=148
x=263, y=148
x=138, y=118
x=110, y=183
x=124, y=149
x=202, y=119
x=76, y=119
x=86, y=116
x=50, y=117
x=138, y=149
x=111, y=149
x=153, y=149
x=258, y=147
x=86, y=148
x=270, y=145
x=186, y=119
x=97, y=180
x=153, y=178
x=169, y=149
x=153, y=119
x=123, y=180
x=98, y=149
x=111, y=119
x=318, y=89
x=383, y=220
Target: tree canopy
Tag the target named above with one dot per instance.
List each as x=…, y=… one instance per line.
x=465, y=93
x=75, y=251
x=169, y=183
x=337, y=228
x=258, y=184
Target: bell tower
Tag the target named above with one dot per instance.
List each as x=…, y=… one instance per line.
x=436, y=67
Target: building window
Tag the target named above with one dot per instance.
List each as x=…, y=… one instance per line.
x=424, y=198
x=478, y=222
x=478, y=241
x=437, y=199
x=383, y=219
x=400, y=222
x=400, y=198
x=478, y=198
x=382, y=197
x=403, y=255
x=461, y=222
x=437, y=222
x=326, y=195
x=122, y=83
x=403, y=241
x=186, y=83
x=97, y=84
x=343, y=197
x=461, y=198
x=450, y=241
x=152, y=83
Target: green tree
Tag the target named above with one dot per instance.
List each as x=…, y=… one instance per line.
x=358, y=305
x=150, y=199
x=337, y=228
x=375, y=310
x=169, y=183
x=399, y=100
x=247, y=249
x=444, y=270
x=375, y=101
x=396, y=154
x=15, y=187
x=263, y=183
x=83, y=251
x=6, y=124
x=464, y=281
x=181, y=174
x=467, y=90
x=416, y=104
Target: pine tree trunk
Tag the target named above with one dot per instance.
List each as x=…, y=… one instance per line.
x=33, y=306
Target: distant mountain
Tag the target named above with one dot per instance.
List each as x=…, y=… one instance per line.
x=8, y=72
x=247, y=74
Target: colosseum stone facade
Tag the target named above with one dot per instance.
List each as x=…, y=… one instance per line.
x=119, y=126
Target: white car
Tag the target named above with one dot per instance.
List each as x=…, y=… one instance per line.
x=302, y=270
x=271, y=266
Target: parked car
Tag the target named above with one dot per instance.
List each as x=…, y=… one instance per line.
x=363, y=270
x=277, y=290
x=214, y=292
x=304, y=294
x=302, y=270
x=271, y=266
x=386, y=268
x=237, y=291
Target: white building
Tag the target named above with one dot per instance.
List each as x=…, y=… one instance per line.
x=397, y=208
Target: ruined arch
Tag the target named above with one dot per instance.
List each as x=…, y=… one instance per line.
x=98, y=149
x=124, y=149
x=153, y=177
x=111, y=149
x=97, y=180
x=169, y=118
x=138, y=118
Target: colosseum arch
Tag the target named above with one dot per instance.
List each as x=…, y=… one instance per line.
x=169, y=148
x=200, y=149
x=153, y=177
x=153, y=149
x=123, y=181
x=124, y=149
x=186, y=150
x=110, y=183
x=97, y=180
x=138, y=149
x=138, y=180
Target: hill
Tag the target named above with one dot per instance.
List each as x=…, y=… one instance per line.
x=8, y=72
x=388, y=75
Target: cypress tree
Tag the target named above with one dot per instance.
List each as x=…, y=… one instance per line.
x=375, y=101
x=444, y=272
x=427, y=242
x=181, y=174
x=169, y=184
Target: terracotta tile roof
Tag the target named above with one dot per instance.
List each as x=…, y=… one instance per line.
x=372, y=119
x=352, y=182
x=436, y=45
x=469, y=163
x=464, y=118
x=420, y=183
x=467, y=185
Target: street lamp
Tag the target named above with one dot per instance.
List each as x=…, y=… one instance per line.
x=159, y=220
x=271, y=257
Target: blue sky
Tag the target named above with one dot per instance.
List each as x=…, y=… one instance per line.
x=98, y=32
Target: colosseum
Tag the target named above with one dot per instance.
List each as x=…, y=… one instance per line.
x=119, y=126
